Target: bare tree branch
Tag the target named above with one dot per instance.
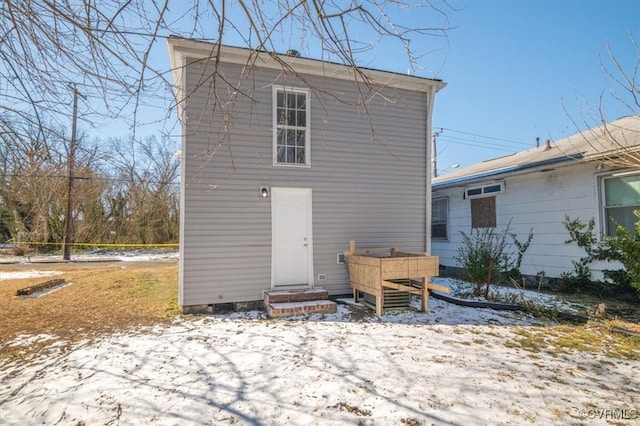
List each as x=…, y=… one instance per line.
x=109, y=50
x=607, y=142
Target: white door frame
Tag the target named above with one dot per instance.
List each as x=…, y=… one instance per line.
x=307, y=192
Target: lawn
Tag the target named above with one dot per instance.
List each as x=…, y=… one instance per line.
x=110, y=349
x=101, y=298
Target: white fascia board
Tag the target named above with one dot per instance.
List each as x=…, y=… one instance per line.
x=177, y=62
x=193, y=49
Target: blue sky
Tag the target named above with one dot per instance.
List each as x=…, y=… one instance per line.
x=515, y=70
x=513, y=67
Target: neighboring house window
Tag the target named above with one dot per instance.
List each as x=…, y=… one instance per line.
x=621, y=198
x=485, y=190
x=291, y=126
x=483, y=203
x=483, y=212
x=439, y=216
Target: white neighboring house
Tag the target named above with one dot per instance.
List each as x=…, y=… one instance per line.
x=593, y=174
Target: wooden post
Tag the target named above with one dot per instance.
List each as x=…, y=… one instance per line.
x=425, y=294
x=66, y=248
x=352, y=247
x=380, y=302
x=486, y=289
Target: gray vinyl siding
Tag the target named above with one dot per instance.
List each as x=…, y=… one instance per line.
x=369, y=191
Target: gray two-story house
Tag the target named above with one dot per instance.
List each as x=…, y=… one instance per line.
x=285, y=160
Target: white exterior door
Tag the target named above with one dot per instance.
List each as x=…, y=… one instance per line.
x=291, y=246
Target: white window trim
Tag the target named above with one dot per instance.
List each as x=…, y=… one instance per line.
x=274, y=115
x=446, y=198
x=602, y=209
x=482, y=188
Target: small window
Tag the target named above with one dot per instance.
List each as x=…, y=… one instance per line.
x=475, y=191
x=291, y=126
x=485, y=190
x=491, y=189
x=621, y=197
x=483, y=212
x=439, y=216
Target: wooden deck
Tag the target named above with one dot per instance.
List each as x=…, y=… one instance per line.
x=373, y=270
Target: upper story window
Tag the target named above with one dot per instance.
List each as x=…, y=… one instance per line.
x=621, y=196
x=291, y=126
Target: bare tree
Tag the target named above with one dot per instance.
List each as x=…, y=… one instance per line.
x=30, y=183
x=610, y=143
x=109, y=48
x=33, y=185
x=125, y=191
x=114, y=52
x=142, y=202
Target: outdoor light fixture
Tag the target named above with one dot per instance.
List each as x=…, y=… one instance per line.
x=264, y=191
x=600, y=166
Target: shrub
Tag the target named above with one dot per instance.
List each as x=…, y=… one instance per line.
x=623, y=247
x=19, y=250
x=482, y=249
x=487, y=255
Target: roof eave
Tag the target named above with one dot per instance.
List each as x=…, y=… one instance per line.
x=507, y=171
x=194, y=49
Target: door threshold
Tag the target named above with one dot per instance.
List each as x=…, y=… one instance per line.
x=292, y=288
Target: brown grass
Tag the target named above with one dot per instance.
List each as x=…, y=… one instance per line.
x=592, y=337
x=102, y=298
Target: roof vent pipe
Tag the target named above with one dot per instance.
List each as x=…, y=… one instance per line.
x=538, y=142
x=548, y=145
x=293, y=52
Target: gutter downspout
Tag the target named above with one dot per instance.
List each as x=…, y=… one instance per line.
x=428, y=171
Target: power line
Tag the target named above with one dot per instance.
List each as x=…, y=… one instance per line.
x=484, y=143
x=477, y=145
x=518, y=143
x=89, y=178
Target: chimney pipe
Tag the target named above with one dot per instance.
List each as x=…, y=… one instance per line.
x=537, y=142
x=548, y=145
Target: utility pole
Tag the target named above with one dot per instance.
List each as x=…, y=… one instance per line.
x=434, y=155
x=66, y=251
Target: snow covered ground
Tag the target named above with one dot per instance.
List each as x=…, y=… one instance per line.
x=95, y=256
x=16, y=275
x=452, y=365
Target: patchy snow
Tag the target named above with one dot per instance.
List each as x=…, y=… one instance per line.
x=452, y=365
x=27, y=339
x=508, y=295
x=142, y=257
x=17, y=275
x=96, y=256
